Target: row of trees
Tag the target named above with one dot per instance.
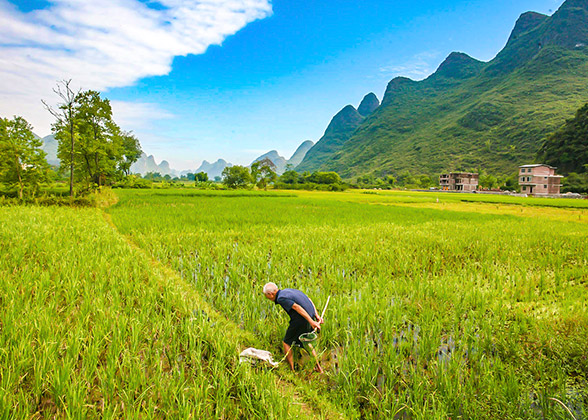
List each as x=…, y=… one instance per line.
x=261, y=174
x=292, y=177
x=90, y=144
x=408, y=180
x=403, y=180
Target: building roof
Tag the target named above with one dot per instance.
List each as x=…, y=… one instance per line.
x=460, y=173
x=535, y=165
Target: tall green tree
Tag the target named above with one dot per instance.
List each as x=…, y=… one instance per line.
x=289, y=177
x=65, y=124
x=263, y=173
x=90, y=142
x=96, y=149
x=22, y=161
x=104, y=151
x=200, y=177
x=131, y=151
x=236, y=176
x=325, y=178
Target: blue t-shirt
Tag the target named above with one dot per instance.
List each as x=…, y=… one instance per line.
x=288, y=297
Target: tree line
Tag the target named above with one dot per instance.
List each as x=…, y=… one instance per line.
x=92, y=148
x=95, y=151
x=263, y=174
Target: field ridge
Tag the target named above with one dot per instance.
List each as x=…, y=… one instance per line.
x=312, y=406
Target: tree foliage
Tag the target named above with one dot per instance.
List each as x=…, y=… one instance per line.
x=325, y=178
x=289, y=177
x=131, y=150
x=567, y=148
x=96, y=132
x=90, y=142
x=263, y=173
x=370, y=181
x=236, y=176
x=22, y=162
x=576, y=183
x=200, y=177
x=65, y=123
x=310, y=181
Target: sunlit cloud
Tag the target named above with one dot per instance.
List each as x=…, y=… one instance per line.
x=138, y=114
x=106, y=44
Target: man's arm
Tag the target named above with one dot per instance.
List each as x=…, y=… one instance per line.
x=305, y=315
x=318, y=317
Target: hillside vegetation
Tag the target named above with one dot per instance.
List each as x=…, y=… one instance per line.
x=567, y=148
x=470, y=114
x=341, y=127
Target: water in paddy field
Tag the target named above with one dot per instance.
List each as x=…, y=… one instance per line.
x=576, y=394
x=577, y=399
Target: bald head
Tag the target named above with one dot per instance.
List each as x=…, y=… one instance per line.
x=270, y=290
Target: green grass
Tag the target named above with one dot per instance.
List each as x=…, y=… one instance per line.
x=447, y=197
x=435, y=313
x=91, y=329
x=438, y=310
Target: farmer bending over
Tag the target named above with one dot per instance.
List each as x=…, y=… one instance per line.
x=303, y=317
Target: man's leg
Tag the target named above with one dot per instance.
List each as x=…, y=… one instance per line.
x=289, y=355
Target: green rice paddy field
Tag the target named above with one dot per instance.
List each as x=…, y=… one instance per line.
x=442, y=306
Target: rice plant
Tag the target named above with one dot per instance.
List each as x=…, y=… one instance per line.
x=441, y=308
x=90, y=328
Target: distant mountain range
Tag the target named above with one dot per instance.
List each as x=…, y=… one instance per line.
x=50, y=147
x=300, y=153
x=213, y=169
x=469, y=114
x=281, y=163
x=146, y=164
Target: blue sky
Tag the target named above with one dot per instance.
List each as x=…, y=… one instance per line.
x=233, y=79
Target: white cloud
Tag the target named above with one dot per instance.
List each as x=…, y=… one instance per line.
x=418, y=67
x=105, y=44
x=137, y=114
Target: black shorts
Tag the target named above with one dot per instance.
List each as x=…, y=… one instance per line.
x=294, y=331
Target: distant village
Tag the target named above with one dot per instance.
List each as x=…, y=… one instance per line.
x=536, y=179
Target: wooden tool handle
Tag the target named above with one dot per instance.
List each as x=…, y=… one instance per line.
x=326, y=304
